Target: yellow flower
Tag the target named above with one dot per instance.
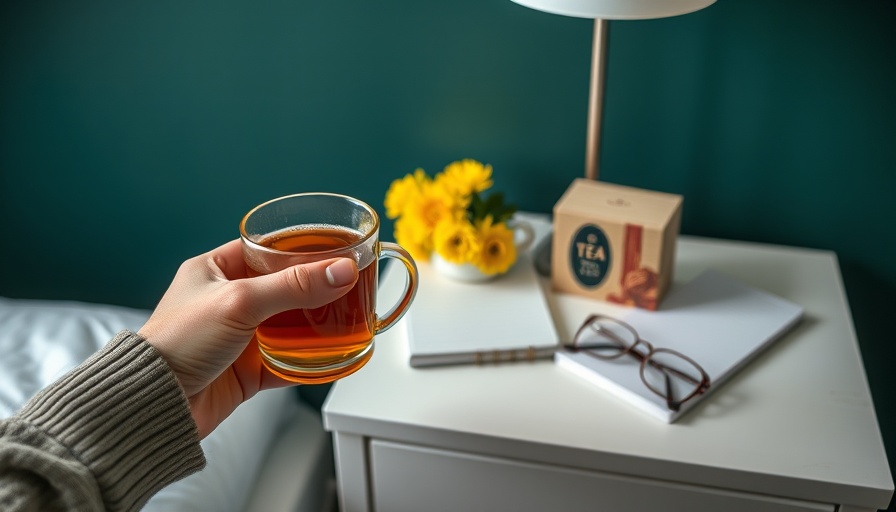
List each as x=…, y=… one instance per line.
x=403, y=191
x=432, y=215
x=498, y=250
x=433, y=204
x=465, y=177
x=455, y=240
x=413, y=235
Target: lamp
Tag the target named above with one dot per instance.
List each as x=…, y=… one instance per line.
x=602, y=11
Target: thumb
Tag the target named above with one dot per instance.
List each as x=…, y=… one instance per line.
x=306, y=286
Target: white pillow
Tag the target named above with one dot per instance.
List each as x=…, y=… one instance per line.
x=41, y=340
x=235, y=453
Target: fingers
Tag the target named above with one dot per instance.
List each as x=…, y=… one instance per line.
x=302, y=286
x=252, y=375
x=341, y=273
x=228, y=258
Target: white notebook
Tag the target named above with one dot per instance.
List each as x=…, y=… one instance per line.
x=714, y=319
x=506, y=319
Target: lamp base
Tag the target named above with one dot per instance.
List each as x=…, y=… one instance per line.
x=542, y=255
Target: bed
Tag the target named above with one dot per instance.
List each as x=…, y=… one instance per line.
x=272, y=454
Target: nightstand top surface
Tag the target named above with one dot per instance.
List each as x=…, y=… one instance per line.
x=800, y=416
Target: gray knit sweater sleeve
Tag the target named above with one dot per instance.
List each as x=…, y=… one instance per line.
x=106, y=436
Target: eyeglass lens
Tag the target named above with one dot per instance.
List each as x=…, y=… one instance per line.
x=664, y=370
x=606, y=338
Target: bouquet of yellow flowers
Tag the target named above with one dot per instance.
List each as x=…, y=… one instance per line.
x=448, y=214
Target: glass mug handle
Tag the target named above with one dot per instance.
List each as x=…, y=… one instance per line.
x=390, y=250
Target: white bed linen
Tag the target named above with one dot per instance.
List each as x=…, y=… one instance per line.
x=41, y=340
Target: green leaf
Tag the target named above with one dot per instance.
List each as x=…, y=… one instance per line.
x=493, y=205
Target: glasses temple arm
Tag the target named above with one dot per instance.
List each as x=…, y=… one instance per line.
x=667, y=370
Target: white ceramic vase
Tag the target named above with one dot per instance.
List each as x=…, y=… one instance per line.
x=465, y=272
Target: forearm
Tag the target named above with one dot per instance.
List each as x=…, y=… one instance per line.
x=107, y=435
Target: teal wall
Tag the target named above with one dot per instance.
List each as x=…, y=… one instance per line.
x=135, y=134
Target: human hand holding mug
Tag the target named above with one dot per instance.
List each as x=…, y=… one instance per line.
x=332, y=341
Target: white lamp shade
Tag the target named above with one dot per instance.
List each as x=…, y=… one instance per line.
x=617, y=9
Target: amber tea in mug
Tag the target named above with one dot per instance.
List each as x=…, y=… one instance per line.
x=330, y=342
x=343, y=328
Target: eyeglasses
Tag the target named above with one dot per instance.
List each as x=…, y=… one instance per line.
x=672, y=375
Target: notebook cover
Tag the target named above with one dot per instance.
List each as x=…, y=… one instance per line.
x=450, y=321
x=715, y=319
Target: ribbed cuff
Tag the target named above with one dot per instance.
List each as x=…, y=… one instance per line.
x=124, y=416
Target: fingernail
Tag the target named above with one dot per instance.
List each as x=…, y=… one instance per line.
x=341, y=273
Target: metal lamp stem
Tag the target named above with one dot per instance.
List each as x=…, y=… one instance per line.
x=596, y=97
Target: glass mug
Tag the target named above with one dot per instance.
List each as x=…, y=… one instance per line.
x=323, y=344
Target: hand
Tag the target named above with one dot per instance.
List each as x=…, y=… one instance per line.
x=204, y=325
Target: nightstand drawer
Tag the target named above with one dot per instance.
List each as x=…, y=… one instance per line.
x=413, y=478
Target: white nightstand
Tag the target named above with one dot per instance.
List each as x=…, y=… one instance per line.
x=794, y=431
